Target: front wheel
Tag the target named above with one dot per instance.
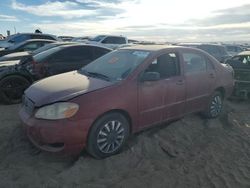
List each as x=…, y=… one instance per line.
x=12, y=88
x=215, y=105
x=108, y=135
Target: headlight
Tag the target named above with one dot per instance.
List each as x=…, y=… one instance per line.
x=56, y=111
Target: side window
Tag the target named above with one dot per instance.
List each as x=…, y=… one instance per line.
x=98, y=52
x=246, y=59
x=21, y=38
x=194, y=63
x=31, y=46
x=75, y=53
x=166, y=65
x=36, y=37
x=114, y=40
x=42, y=37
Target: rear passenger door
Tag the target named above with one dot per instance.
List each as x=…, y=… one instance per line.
x=200, y=77
x=70, y=58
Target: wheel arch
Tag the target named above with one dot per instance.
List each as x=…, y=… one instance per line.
x=123, y=112
x=18, y=74
x=222, y=91
x=120, y=111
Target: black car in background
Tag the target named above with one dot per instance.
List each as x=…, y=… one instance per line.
x=16, y=76
x=241, y=60
x=241, y=66
x=21, y=37
x=28, y=45
x=233, y=49
x=22, y=55
x=216, y=50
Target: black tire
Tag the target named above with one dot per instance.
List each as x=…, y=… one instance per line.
x=108, y=135
x=12, y=88
x=215, y=105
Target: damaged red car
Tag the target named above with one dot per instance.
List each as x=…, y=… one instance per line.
x=123, y=92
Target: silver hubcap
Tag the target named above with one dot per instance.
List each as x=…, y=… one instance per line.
x=110, y=137
x=216, y=106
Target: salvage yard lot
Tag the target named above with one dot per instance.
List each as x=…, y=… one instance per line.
x=191, y=152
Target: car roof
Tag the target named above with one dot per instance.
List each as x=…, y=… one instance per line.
x=39, y=40
x=80, y=44
x=33, y=34
x=154, y=47
x=244, y=53
x=199, y=44
x=111, y=36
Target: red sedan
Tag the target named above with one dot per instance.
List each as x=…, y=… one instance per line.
x=123, y=92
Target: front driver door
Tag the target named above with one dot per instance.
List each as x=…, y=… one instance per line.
x=156, y=102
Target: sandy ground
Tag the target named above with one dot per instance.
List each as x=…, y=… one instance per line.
x=191, y=152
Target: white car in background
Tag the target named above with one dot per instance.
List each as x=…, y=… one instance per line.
x=110, y=41
x=21, y=37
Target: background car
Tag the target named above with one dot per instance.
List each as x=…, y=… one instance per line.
x=110, y=41
x=20, y=37
x=241, y=60
x=233, y=49
x=28, y=45
x=216, y=50
x=23, y=55
x=241, y=66
x=123, y=92
x=16, y=76
x=80, y=39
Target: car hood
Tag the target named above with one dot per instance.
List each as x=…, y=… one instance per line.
x=4, y=64
x=14, y=56
x=17, y=54
x=63, y=87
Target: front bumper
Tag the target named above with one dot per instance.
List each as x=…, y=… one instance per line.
x=57, y=136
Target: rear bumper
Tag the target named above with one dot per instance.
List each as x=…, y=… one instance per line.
x=60, y=136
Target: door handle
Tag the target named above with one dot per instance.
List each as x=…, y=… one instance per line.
x=180, y=82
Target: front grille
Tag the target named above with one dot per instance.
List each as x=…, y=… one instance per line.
x=242, y=74
x=28, y=105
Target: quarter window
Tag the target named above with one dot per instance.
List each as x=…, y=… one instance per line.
x=194, y=63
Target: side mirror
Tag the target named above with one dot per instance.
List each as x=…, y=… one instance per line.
x=150, y=76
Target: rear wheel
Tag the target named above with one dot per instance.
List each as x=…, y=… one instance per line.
x=215, y=105
x=108, y=135
x=12, y=88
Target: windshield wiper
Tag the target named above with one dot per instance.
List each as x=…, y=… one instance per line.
x=96, y=75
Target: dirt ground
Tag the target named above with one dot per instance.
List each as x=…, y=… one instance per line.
x=191, y=152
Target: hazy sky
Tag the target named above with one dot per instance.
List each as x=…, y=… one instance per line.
x=161, y=20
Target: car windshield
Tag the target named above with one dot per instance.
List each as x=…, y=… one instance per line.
x=98, y=38
x=41, y=56
x=116, y=65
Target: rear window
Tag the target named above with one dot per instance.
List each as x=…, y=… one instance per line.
x=43, y=55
